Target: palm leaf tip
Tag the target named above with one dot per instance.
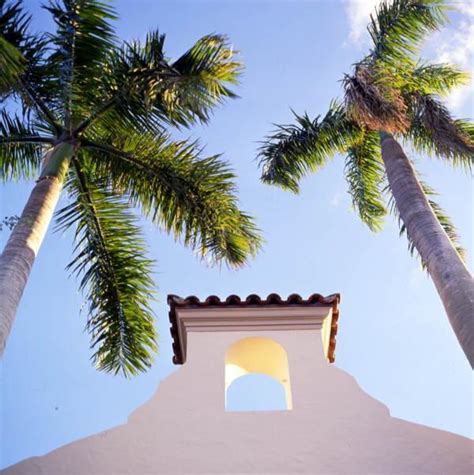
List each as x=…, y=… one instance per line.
x=443, y=219
x=277, y=168
x=207, y=70
x=154, y=91
x=14, y=22
x=14, y=34
x=115, y=275
x=438, y=79
x=214, y=56
x=398, y=27
x=290, y=152
x=83, y=39
x=293, y=151
x=11, y=64
x=192, y=197
x=21, y=148
x=365, y=174
x=434, y=131
x=235, y=244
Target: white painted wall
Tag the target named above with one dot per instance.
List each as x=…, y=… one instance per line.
x=333, y=428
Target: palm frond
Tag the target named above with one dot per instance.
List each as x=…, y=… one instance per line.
x=133, y=89
x=11, y=65
x=33, y=84
x=115, y=275
x=21, y=148
x=364, y=172
x=191, y=197
x=82, y=40
x=294, y=150
x=398, y=27
x=205, y=70
x=140, y=86
x=14, y=22
x=13, y=25
x=434, y=131
x=438, y=79
x=443, y=219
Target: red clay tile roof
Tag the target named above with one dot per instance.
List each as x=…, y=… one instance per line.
x=252, y=300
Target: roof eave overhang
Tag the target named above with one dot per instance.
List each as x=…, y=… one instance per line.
x=252, y=314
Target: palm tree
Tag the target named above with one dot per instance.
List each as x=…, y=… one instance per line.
x=91, y=115
x=392, y=95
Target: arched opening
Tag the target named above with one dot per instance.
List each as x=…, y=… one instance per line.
x=262, y=356
x=256, y=392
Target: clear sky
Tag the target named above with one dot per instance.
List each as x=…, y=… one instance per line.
x=394, y=337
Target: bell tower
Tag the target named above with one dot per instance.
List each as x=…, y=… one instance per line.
x=254, y=335
x=330, y=425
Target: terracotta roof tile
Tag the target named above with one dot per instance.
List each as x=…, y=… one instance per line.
x=252, y=300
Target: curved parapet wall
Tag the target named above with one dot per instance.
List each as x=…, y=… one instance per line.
x=334, y=427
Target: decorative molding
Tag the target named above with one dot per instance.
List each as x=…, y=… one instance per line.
x=251, y=314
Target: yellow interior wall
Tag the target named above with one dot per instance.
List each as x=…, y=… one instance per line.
x=326, y=334
x=258, y=355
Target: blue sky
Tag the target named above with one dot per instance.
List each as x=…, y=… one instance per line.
x=394, y=336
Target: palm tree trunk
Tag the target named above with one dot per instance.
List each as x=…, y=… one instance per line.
x=450, y=275
x=25, y=240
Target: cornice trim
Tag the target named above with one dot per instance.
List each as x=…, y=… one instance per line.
x=252, y=314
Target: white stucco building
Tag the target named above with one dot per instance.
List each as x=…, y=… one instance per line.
x=330, y=426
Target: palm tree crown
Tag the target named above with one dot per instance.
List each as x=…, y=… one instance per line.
x=390, y=93
x=101, y=110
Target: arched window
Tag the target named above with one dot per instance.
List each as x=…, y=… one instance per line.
x=256, y=392
x=259, y=356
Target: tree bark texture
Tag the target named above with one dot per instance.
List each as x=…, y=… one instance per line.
x=25, y=240
x=453, y=281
